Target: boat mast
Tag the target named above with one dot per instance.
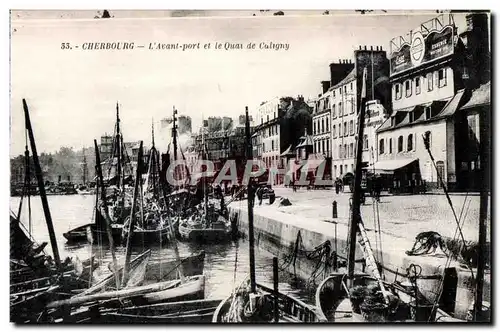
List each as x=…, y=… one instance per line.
x=174, y=134
x=251, y=196
x=356, y=195
x=484, y=138
x=85, y=170
x=41, y=187
x=131, y=224
x=105, y=210
x=118, y=147
x=152, y=159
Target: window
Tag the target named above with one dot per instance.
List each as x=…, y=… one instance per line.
x=442, y=78
x=340, y=90
x=397, y=91
x=340, y=154
x=327, y=125
x=351, y=127
x=400, y=144
x=340, y=109
x=417, y=85
x=340, y=129
x=365, y=142
x=334, y=131
x=409, y=143
x=272, y=145
x=335, y=170
x=341, y=170
x=327, y=146
x=381, y=146
x=322, y=125
x=345, y=151
x=334, y=115
x=352, y=106
x=390, y=145
x=333, y=93
x=261, y=120
x=345, y=129
x=323, y=146
x=351, y=86
x=345, y=89
x=351, y=150
x=268, y=118
x=440, y=171
x=408, y=88
x=430, y=81
x=428, y=112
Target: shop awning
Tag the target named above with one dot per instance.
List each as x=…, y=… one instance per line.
x=480, y=97
x=389, y=166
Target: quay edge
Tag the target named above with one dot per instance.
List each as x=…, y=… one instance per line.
x=276, y=232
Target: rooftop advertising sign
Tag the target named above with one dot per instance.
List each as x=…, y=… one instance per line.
x=421, y=50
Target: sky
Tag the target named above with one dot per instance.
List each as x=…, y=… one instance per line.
x=72, y=94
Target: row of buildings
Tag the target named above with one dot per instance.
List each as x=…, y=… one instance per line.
x=435, y=82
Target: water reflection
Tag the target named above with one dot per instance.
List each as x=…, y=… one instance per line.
x=226, y=265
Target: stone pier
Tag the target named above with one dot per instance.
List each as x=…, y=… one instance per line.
x=277, y=229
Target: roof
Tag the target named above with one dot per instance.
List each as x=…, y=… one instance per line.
x=351, y=76
x=384, y=166
x=480, y=97
x=452, y=105
x=308, y=140
x=288, y=152
x=448, y=108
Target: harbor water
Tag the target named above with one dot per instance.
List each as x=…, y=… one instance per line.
x=226, y=265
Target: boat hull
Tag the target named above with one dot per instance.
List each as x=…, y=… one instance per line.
x=204, y=235
x=291, y=309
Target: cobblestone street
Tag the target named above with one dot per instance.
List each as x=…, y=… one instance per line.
x=400, y=216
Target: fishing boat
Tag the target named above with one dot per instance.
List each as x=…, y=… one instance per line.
x=193, y=311
x=256, y=303
x=161, y=270
x=360, y=297
x=36, y=277
x=204, y=222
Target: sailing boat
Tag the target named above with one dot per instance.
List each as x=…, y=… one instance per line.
x=37, y=278
x=206, y=223
x=131, y=285
x=253, y=302
x=360, y=297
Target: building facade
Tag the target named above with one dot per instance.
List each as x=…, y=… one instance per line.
x=345, y=102
x=321, y=122
x=431, y=80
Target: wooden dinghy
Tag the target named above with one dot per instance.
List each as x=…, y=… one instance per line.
x=194, y=311
x=218, y=231
x=236, y=308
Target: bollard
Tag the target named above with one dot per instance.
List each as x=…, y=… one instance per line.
x=334, y=209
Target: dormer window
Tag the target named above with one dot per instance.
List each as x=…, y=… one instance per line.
x=417, y=85
x=428, y=113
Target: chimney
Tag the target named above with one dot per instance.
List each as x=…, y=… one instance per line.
x=340, y=61
x=360, y=47
x=371, y=48
x=365, y=47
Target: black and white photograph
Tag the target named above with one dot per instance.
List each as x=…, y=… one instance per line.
x=250, y=166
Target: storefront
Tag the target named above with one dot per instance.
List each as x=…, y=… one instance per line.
x=400, y=176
